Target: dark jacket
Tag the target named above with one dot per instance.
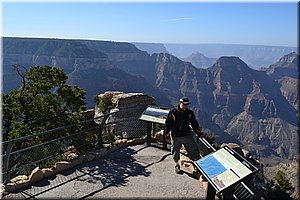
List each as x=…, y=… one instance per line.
x=178, y=122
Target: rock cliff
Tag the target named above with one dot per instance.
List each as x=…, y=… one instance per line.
x=286, y=73
x=289, y=89
x=230, y=99
x=255, y=56
x=151, y=47
x=84, y=61
x=127, y=107
x=286, y=66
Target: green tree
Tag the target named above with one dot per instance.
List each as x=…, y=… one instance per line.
x=104, y=103
x=43, y=102
x=283, y=183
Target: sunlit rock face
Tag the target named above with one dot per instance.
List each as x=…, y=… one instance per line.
x=125, y=111
x=230, y=99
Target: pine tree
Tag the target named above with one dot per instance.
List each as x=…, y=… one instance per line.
x=43, y=102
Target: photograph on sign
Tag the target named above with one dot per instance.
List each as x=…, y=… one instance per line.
x=156, y=115
x=222, y=168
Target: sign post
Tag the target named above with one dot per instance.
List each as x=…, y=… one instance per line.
x=154, y=115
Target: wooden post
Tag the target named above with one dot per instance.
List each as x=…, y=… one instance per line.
x=149, y=130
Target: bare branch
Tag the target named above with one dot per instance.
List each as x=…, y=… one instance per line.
x=21, y=71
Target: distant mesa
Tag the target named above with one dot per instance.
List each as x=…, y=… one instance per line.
x=199, y=60
x=256, y=56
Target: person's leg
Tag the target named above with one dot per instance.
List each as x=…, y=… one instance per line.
x=191, y=147
x=193, y=152
x=175, y=150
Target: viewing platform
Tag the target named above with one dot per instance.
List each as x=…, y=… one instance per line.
x=123, y=153
x=138, y=171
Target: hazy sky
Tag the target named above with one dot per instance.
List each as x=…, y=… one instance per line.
x=268, y=23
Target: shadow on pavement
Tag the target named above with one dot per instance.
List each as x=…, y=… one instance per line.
x=111, y=170
x=117, y=173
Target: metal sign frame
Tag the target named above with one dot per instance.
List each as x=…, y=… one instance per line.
x=224, y=167
x=154, y=115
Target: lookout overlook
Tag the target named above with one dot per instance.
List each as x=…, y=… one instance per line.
x=133, y=172
x=114, y=154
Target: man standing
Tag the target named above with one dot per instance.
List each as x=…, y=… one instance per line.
x=178, y=128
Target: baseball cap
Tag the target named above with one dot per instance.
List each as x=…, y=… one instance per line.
x=184, y=100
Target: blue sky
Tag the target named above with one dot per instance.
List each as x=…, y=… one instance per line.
x=268, y=23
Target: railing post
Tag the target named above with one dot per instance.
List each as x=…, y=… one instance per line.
x=6, y=157
x=149, y=130
x=100, y=142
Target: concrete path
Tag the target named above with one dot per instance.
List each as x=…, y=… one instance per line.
x=133, y=172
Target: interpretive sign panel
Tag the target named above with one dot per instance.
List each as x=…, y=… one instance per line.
x=224, y=167
x=156, y=115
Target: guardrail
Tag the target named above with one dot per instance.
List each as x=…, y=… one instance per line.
x=21, y=155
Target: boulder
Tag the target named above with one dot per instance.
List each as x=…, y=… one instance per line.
x=159, y=137
x=77, y=161
x=10, y=187
x=19, y=178
x=235, y=147
x=47, y=172
x=127, y=108
x=36, y=175
x=71, y=156
x=61, y=166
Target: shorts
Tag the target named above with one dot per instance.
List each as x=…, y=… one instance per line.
x=190, y=145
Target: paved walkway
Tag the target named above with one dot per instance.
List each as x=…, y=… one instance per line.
x=133, y=172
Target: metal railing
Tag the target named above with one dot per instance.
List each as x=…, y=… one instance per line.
x=21, y=155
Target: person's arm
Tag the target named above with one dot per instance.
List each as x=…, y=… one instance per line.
x=169, y=122
x=195, y=125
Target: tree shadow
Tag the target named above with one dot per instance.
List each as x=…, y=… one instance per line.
x=113, y=169
x=116, y=173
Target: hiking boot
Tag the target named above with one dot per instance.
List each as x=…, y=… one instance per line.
x=177, y=169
